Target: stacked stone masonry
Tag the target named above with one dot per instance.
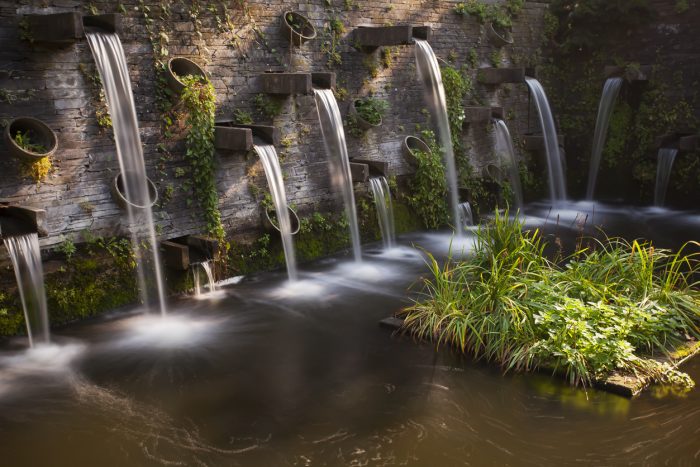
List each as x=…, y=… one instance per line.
x=47, y=83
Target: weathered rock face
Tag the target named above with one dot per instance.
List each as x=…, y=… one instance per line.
x=53, y=84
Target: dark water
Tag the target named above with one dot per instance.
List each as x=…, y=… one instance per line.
x=262, y=375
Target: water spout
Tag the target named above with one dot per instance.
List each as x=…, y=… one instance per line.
x=466, y=214
x=431, y=77
x=114, y=72
x=557, y=183
x=605, y=109
x=338, y=161
x=26, y=260
x=506, y=155
x=664, y=164
x=385, y=210
x=275, y=180
x=206, y=267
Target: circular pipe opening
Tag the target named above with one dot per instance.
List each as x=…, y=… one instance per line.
x=297, y=27
x=294, y=219
x=120, y=197
x=39, y=134
x=179, y=67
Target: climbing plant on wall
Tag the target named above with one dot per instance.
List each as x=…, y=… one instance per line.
x=199, y=100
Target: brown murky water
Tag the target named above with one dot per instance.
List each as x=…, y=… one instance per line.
x=264, y=374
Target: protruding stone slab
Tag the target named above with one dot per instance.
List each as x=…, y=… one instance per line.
x=56, y=28
x=323, y=80
x=375, y=167
x=535, y=141
x=672, y=139
x=500, y=75
x=378, y=36
x=630, y=73
x=423, y=32
x=18, y=220
x=175, y=255
x=227, y=138
x=474, y=114
x=111, y=22
x=359, y=172
x=285, y=83
x=267, y=133
x=498, y=112
x=208, y=246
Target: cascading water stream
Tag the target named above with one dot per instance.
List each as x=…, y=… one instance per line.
x=206, y=267
x=385, y=210
x=26, y=260
x=275, y=180
x=465, y=211
x=338, y=161
x=431, y=77
x=664, y=164
x=506, y=154
x=605, y=109
x=111, y=64
x=557, y=182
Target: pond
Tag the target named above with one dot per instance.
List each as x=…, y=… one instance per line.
x=263, y=373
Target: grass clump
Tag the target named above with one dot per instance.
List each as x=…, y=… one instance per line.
x=607, y=309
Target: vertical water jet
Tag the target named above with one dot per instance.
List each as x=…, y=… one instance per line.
x=111, y=64
x=605, y=108
x=385, y=210
x=557, y=182
x=506, y=155
x=275, y=180
x=431, y=77
x=664, y=164
x=338, y=161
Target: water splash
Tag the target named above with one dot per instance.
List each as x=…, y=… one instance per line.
x=26, y=260
x=429, y=74
x=385, y=210
x=111, y=64
x=605, y=109
x=557, y=183
x=506, y=154
x=338, y=161
x=664, y=164
x=275, y=180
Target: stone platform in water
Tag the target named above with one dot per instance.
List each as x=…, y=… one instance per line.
x=623, y=385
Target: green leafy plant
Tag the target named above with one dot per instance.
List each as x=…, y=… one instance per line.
x=199, y=100
x=499, y=15
x=371, y=110
x=25, y=140
x=67, y=247
x=605, y=310
x=428, y=188
x=242, y=117
x=267, y=105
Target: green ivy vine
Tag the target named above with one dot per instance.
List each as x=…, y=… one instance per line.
x=199, y=99
x=428, y=188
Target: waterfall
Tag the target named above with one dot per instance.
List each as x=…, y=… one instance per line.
x=206, y=267
x=273, y=173
x=664, y=164
x=429, y=74
x=338, y=161
x=26, y=260
x=605, y=109
x=506, y=155
x=465, y=211
x=385, y=210
x=557, y=183
x=111, y=65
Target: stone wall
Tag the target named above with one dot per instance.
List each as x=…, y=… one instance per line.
x=48, y=84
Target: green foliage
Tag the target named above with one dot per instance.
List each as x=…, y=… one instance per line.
x=601, y=312
x=25, y=140
x=67, y=247
x=371, y=110
x=199, y=100
x=332, y=35
x=104, y=120
x=501, y=15
x=682, y=6
x=591, y=25
x=428, y=188
x=242, y=117
x=268, y=105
